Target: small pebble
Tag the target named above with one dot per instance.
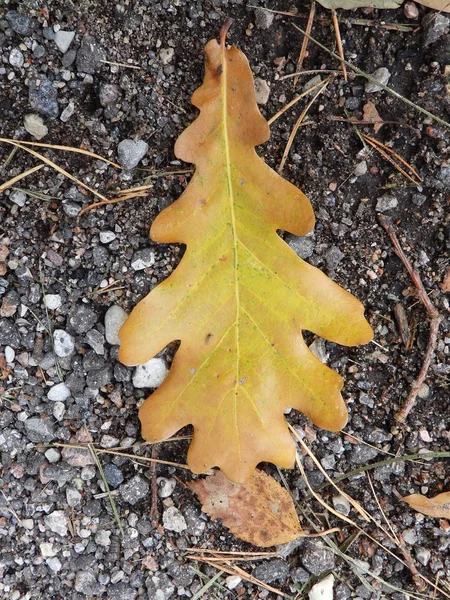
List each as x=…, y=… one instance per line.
x=166, y=55
x=134, y=490
x=341, y=504
x=323, y=590
x=63, y=39
x=410, y=10
x=386, y=203
x=166, y=487
x=63, y=342
x=232, y=581
x=106, y=237
x=9, y=354
x=115, y=317
x=130, y=153
x=52, y=455
x=151, y=374
x=173, y=520
x=142, y=259
x=58, y=392
x=73, y=497
x=16, y=58
x=52, y=301
x=18, y=198
x=67, y=112
x=382, y=75
x=262, y=91
x=263, y=18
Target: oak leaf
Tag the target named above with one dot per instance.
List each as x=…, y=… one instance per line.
x=438, y=507
x=258, y=511
x=240, y=297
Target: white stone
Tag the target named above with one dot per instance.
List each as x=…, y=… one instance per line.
x=28, y=524
x=18, y=198
x=131, y=152
x=166, y=486
x=52, y=301
x=10, y=354
x=67, y=112
x=16, y=58
x=63, y=39
x=341, y=504
x=173, y=520
x=73, y=497
x=410, y=536
x=54, y=564
x=64, y=343
x=319, y=349
x=106, y=237
x=59, y=392
x=47, y=549
x=323, y=590
x=35, y=126
x=102, y=538
x=262, y=91
x=151, y=374
x=52, y=455
x=58, y=411
x=57, y=522
x=423, y=555
x=166, y=55
x=115, y=317
x=232, y=581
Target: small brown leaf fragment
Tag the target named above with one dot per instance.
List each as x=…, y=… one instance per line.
x=438, y=507
x=402, y=323
x=370, y=114
x=258, y=511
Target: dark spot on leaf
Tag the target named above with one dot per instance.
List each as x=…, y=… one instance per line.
x=219, y=70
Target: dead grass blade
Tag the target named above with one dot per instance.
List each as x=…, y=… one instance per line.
x=385, y=151
x=302, y=54
x=63, y=148
x=52, y=164
x=298, y=123
x=339, y=42
x=106, y=201
x=373, y=80
x=17, y=178
x=294, y=101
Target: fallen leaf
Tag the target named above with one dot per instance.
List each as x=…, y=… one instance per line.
x=370, y=114
x=438, y=507
x=240, y=297
x=441, y=5
x=258, y=511
x=350, y=4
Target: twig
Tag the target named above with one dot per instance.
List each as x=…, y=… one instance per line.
x=419, y=582
x=339, y=42
x=154, y=513
x=433, y=314
x=302, y=54
x=294, y=101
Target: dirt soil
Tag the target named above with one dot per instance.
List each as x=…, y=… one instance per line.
x=61, y=272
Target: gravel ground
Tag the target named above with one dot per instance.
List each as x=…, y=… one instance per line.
x=77, y=277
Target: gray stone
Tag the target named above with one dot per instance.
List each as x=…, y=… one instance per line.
x=423, y=555
x=16, y=58
x=52, y=455
x=108, y=93
x=96, y=340
x=302, y=246
x=115, y=317
x=142, y=259
x=58, y=392
x=276, y=569
x=89, y=55
x=300, y=575
x=63, y=39
x=362, y=454
x=73, y=496
x=435, y=25
x=57, y=522
x=262, y=91
x=54, y=563
x=86, y=583
x=113, y=475
x=151, y=374
x=68, y=58
x=317, y=558
x=67, y=112
x=410, y=536
x=166, y=55
x=382, y=75
x=263, y=18
x=166, y=486
x=121, y=591
x=134, y=490
x=35, y=126
x=63, y=342
x=131, y=152
x=103, y=538
x=106, y=237
x=43, y=97
x=83, y=318
x=99, y=377
x=333, y=257
x=40, y=430
x=20, y=24
x=173, y=520
x=419, y=199
x=386, y=203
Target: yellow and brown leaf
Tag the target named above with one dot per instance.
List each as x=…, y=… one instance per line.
x=240, y=297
